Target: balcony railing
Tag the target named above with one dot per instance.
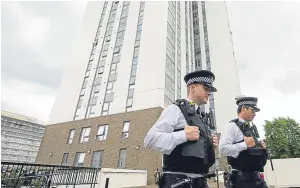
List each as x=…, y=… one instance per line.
x=17, y=175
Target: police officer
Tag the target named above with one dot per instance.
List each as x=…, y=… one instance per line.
x=182, y=136
x=243, y=153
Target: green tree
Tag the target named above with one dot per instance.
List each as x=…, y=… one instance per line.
x=283, y=137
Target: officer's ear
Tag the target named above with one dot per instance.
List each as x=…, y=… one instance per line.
x=189, y=88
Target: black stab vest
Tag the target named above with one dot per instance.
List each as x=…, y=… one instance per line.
x=191, y=156
x=250, y=160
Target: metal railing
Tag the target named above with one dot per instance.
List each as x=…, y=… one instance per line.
x=16, y=175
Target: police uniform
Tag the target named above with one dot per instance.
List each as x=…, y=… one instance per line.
x=248, y=162
x=183, y=160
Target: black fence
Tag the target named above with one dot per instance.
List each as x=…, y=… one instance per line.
x=46, y=176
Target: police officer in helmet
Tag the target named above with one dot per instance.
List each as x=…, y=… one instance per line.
x=184, y=138
x=244, y=152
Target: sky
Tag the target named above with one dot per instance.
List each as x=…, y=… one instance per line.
x=37, y=36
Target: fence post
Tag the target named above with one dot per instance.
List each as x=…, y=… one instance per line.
x=106, y=182
x=218, y=179
x=19, y=176
x=93, y=183
x=48, y=183
x=49, y=179
x=75, y=179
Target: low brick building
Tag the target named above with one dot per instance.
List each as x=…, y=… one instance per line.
x=112, y=141
x=115, y=141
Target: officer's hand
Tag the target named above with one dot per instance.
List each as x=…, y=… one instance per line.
x=215, y=141
x=263, y=144
x=249, y=141
x=192, y=132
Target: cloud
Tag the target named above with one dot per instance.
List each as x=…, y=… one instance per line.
x=33, y=32
x=266, y=43
x=265, y=34
x=289, y=82
x=29, y=99
x=36, y=48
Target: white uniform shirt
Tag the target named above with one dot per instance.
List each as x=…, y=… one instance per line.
x=230, y=135
x=161, y=137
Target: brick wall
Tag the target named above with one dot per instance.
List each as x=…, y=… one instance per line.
x=54, y=143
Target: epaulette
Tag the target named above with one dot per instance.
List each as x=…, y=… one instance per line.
x=234, y=120
x=180, y=102
x=189, y=107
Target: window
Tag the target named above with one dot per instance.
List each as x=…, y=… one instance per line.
x=82, y=92
x=93, y=101
x=124, y=14
x=132, y=80
x=64, y=161
x=121, y=34
x=104, y=54
x=89, y=67
x=114, y=66
x=105, y=47
x=140, y=21
x=117, y=49
x=107, y=39
x=137, y=43
x=105, y=106
x=92, y=57
x=131, y=86
x=97, y=88
x=79, y=159
x=109, y=97
x=119, y=42
x=84, y=83
x=138, y=36
x=125, y=131
x=122, y=158
x=80, y=102
x=101, y=66
x=112, y=77
x=97, y=81
x=133, y=71
x=97, y=159
x=129, y=102
x=136, y=52
x=101, y=70
x=113, y=71
x=130, y=93
x=110, y=85
x=102, y=132
x=92, y=109
x=87, y=74
x=116, y=59
x=168, y=82
x=122, y=28
x=71, y=136
x=84, y=136
x=134, y=61
x=141, y=13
